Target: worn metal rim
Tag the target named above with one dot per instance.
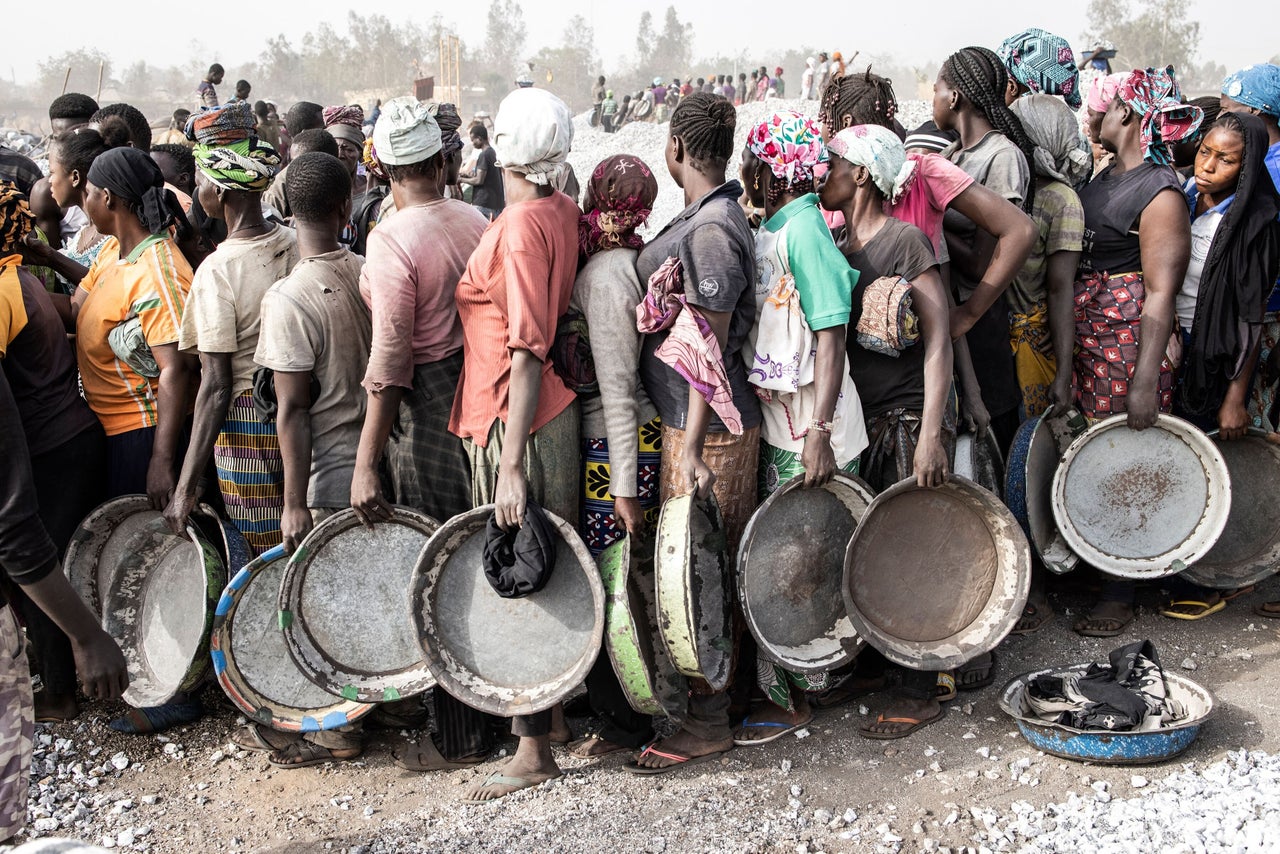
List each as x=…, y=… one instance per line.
x=978, y=459
x=253, y=699
x=1029, y=485
x=1003, y=608
x=1109, y=748
x=225, y=536
x=131, y=601
x=692, y=586
x=1264, y=561
x=325, y=667
x=1177, y=558
x=632, y=662
x=840, y=642
x=83, y=560
x=463, y=682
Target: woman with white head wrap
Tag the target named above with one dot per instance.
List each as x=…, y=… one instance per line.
x=518, y=420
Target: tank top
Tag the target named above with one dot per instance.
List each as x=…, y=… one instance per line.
x=1112, y=204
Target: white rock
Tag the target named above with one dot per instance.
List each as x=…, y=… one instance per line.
x=124, y=838
x=1138, y=781
x=120, y=761
x=785, y=765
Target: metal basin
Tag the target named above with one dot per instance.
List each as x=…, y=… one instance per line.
x=1110, y=748
x=1142, y=504
x=344, y=606
x=252, y=662
x=225, y=536
x=936, y=577
x=159, y=607
x=1037, y=449
x=791, y=572
x=505, y=656
x=629, y=614
x=978, y=459
x=98, y=545
x=694, y=614
x=1249, y=549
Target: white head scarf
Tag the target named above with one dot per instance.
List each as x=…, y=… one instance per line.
x=532, y=134
x=406, y=132
x=1062, y=153
x=881, y=152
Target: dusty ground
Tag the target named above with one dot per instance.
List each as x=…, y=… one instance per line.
x=829, y=791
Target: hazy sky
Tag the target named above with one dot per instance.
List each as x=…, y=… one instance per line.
x=915, y=32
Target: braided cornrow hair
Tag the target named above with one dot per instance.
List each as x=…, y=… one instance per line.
x=980, y=76
x=867, y=98
x=705, y=124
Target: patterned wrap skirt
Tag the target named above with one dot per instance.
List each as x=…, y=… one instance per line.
x=1108, y=317
x=1033, y=359
x=251, y=474
x=1262, y=393
x=600, y=527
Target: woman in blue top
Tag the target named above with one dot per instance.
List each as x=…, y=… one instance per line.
x=811, y=418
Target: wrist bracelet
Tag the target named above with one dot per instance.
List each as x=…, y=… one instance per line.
x=821, y=426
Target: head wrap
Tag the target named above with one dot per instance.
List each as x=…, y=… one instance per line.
x=405, y=133
x=928, y=136
x=16, y=218
x=1257, y=87
x=881, y=152
x=1043, y=63
x=1062, y=153
x=248, y=165
x=777, y=70
x=346, y=123
x=618, y=200
x=134, y=177
x=789, y=144
x=532, y=134
x=447, y=118
x=221, y=125
x=1103, y=91
x=369, y=157
x=1155, y=97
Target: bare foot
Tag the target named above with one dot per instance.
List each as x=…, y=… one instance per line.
x=902, y=716
x=849, y=690
x=55, y=708
x=1268, y=609
x=1106, y=620
x=772, y=720
x=681, y=744
x=593, y=747
x=531, y=765
x=1036, y=613
x=560, y=732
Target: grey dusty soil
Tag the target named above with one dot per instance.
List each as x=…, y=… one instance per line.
x=960, y=783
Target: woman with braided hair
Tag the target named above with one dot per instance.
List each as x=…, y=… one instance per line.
x=857, y=99
x=697, y=314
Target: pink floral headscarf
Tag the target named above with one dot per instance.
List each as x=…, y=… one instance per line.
x=790, y=144
x=1155, y=97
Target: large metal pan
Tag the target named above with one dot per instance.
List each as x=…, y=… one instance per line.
x=1033, y=458
x=1249, y=549
x=935, y=577
x=1142, y=504
x=344, y=606
x=98, y=545
x=978, y=459
x=505, y=656
x=253, y=665
x=791, y=571
x=693, y=589
x=630, y=614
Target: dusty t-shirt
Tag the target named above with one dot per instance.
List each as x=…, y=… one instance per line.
x=715, y=247
x=315, y=321
x=1059, y=220
x=489, y=193
x=224, y=308
x=886, y=383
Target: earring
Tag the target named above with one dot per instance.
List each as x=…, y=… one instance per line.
x=756, y=184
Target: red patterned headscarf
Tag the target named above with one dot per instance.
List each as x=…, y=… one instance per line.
x=619, y=198
x=1155, y=97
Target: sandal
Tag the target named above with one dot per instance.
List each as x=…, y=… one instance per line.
x=1196, y=610
x=846, y=690
x=946, y=691
x=578, y=749
x=513, y=784
x=677, y=761
x=158, y=718
x=425, y=756
x=970, y=667
x=780, y=729
x=915, y=724
x=1090, y=626
x=1033, y=618
x=303, y=753
x=263, y=739
x=1236, y=593
x=1270, y=610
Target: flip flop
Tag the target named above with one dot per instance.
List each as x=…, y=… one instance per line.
x=677, y=760
x=158, y=718
x=946, y=691
x=1261, y=610
x=841, y=694
x=1206, y=609
x=916, y=724
x=517, y=784
x=574, y=748
x=425, y=756
x=1119, y=627
x=308, y=752
x=980, y=683
x=1228, y=595
x=262, y=739
x=782, y=729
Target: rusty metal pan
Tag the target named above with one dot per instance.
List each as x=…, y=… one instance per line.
x=1249, y=549
x=97, y=546
x=344, y=606
x=1142, y=504
x=253, y=665
x=693, y=589
x=936, y=577
x=506, y=656
x=225, y=536
x=791, y=572
x=1033, y=459
x=160, y=607
x=978, y=459
x=630, y=614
